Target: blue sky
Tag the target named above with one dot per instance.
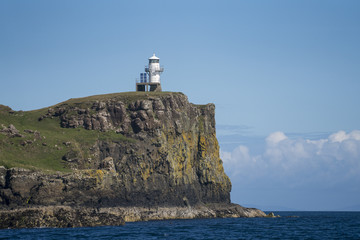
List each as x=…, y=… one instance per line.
x=275, y=69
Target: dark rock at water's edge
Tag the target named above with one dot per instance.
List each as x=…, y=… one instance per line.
x=150, y=151
x=272, y=215
x=65, y=216
x=58, y=217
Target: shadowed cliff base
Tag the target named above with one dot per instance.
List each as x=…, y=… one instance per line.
x=143, y=150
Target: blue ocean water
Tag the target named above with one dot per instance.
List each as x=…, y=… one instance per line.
x=291, y=225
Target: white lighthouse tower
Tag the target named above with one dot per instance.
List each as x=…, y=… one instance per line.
x=153, y=70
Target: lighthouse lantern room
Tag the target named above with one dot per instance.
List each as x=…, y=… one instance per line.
x=153, y=70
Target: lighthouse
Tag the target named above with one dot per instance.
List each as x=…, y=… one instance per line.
x=153, y=70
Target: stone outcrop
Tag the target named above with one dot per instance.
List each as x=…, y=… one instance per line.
x=163, y=153
x=10, y=131
x=58, y=216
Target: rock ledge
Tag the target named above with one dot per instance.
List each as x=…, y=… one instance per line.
x=64, y=216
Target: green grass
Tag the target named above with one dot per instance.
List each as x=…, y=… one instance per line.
x=126, y=97
x=35, y=155
x=49, y=157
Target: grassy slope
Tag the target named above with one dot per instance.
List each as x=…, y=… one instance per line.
x=49, y=157
x=33, y=155
x=126, y=97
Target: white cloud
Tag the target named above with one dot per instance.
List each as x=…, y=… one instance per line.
x=329, y=160
x=275, y=138
x=342, y=136
x=338, y=137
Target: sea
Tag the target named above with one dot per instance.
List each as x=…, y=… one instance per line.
x=291, y=225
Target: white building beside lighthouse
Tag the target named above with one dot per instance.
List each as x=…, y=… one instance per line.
x=153, y=70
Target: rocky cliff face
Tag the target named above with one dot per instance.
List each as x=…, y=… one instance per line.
x=152, y=150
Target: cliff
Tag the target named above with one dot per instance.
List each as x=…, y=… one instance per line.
x=116, y=151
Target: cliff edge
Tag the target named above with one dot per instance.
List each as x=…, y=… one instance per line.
x=131, y=156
